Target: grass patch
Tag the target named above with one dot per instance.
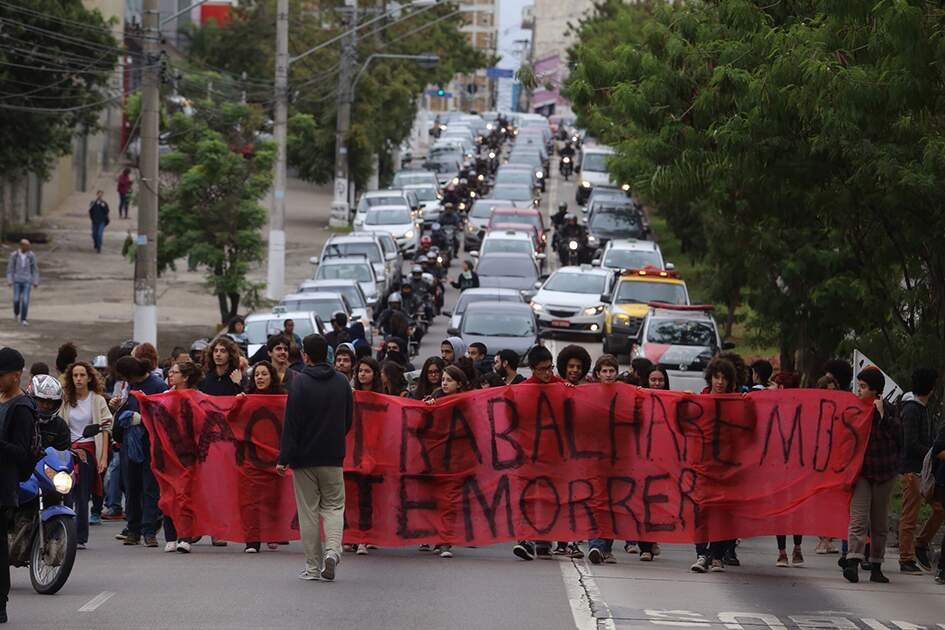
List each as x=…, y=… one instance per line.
x=345, y=229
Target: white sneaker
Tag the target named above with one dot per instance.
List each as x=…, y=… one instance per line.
x=24, y=323
x=183, y=546
x=445, y=551
x=170, y=547
x=309, y=577
x=362, y=550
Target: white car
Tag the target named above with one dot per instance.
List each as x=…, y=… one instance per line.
x=594, y=172
x=351, y=268
x=570, y=300
x=352, y=293
x=631, y=253
x=470, y=296
x=379, y=198
x=261, y=326
x=325, y=305
x=366, y=245
x=509, y=242
x=398, y=221
x=430, y=199
x=403, y=179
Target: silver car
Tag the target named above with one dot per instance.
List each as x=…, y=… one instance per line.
x=471, y=296
x=569, y=300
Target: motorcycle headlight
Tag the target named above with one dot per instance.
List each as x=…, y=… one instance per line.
x=625, y=187
x=491, y=155
x=62, y=481
x=472, y=193
x=566, y=160
x=471, y=228
x=409, y=234
x=544, y=237
x=536, y=306
x=489, y=127
x=573, y=245
x=539, y=174
x=594, y=310
x=481, y=177
x=456, y=181
x=574, y=138
x=439, y=259
x=461, y=206
x=585, y=184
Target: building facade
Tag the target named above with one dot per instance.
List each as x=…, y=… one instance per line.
x=475, y=91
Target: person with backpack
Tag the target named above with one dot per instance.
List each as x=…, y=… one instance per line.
x=18, y=437
x=916, y=441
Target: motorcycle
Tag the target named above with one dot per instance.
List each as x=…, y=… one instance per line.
x=571, y=250
x=42, y=532
x=566, y=167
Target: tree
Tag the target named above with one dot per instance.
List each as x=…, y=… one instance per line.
x=56, y=61
x=212, y=183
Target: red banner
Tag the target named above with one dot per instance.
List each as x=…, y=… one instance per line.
x=526, y=462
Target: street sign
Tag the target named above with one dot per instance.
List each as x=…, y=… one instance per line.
x=499, y=73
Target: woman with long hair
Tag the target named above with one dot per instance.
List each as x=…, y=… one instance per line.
x=181, y=375
x=264, y=379
x=367, y=376
x=84, y=405
x=392, y=379
x=431, y=374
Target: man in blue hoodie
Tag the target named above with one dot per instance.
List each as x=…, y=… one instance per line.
x=317, y=418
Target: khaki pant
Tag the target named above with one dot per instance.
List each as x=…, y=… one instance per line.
x=911, y=502
x=869, y=511
x=320, y=500
x=932, y=525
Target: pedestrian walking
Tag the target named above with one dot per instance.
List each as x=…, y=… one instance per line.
x=22, y=275
x=98, y=213
x=124, y=193
x=16, y=434
x=318, y=414
x=467, y=279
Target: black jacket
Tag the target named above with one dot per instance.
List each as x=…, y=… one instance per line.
x=214, y=385
x=55, y=433
x=98, y=212
x=462, y=282
x=317, y=418
x=16, y=434
x=916, y=434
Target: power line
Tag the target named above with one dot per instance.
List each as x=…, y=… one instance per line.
x=61, y=110
x=68, y=22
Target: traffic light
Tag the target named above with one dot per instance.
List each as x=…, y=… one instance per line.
x=440, y=91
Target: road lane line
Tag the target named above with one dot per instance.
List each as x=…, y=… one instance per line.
x=585, y=598
x=97, y=601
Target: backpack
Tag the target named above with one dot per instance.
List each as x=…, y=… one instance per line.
x=927, y=476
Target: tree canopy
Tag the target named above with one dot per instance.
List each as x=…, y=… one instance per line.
x=795, y=149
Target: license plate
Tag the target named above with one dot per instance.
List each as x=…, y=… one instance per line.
x=560, y=323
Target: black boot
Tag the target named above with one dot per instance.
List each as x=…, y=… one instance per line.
x=852, y=571
x=876, y=573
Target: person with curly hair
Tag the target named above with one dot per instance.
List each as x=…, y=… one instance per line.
x=573, y=363
x=264, y=379
x=222, y=363
x=367, y=376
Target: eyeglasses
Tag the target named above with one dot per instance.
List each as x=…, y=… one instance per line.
x=542, y=368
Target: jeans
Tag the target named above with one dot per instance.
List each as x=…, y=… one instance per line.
x=712, y=550
x=98, y=231
x=142, y=499
x=4, y=558
x=606, y=545
x=21, y=299
x=113, y=484
x=782, y=542
x=80, y=496
x=170, y=532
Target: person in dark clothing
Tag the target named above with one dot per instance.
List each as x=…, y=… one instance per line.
x=141, y=488
x=318, y=414
x=916, y=441
x=573, y=364
x=47, y=395
x=506, y=366
x=938, y=493
x=761, y=372
x=16, y=434
x=98, y=213
x=479, y=354
x=840, y=370
x=222, y=360
x=339, y=330
x=467, y=279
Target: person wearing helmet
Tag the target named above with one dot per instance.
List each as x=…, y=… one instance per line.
x=557, y=219
x=47, y=394
x=426, y=242
x=391, y=315
x=571, y=230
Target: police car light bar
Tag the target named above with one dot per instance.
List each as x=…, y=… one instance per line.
x=681, y=307
x=652, y=271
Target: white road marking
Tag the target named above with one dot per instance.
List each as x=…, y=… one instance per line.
x=97, y=601
x=583, y=597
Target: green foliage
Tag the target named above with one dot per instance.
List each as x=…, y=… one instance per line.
x=212, y=182
x=54, y=80
x=794, y=149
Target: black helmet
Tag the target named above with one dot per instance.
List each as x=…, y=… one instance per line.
x=570, y=218
x=563, y=206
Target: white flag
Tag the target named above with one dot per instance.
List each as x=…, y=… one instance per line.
x=892, y=391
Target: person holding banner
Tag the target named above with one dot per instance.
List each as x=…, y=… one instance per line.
x=869, y=507
x=181, y=376
x=368, y=376
x=318, y=414
x=573, y=364
x=600, y=550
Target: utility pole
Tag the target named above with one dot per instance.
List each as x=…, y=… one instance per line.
x=275, y=279
x=339, y=206
x=145, y=298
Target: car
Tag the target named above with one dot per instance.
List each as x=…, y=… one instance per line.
x=359, y=269
x=477, y=220
x=507, y=271
x=445, y=167
x=480, y=294
x=617, y=221
x=429, y=197
x=627, y=304
x=510, y=241
x=531, y=159
x=570, y=300
x=363, y=244
x=352, y=293
x=517, y=174
x=525, y=229
x=393, y=259
x=397, y=220
x=681, y=339
x=374, y=198
x=521, y=195
x=500, y=326
x=594, y=172
x=530, y=216
x=325, y=305
x=403, y=179
x=631, y=253
x=261, y=326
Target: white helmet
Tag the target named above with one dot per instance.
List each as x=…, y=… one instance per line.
x=46, y=387
x=428, y=278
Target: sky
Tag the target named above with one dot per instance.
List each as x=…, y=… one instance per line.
x=510, y=20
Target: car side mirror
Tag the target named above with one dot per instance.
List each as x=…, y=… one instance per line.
x=540, y=256
x=670, y=266
x=474, y=253
x=537, y=284
x=605, y=298
x=728, y=345
x=453, y=332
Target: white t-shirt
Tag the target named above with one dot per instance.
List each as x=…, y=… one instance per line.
x=80, y=417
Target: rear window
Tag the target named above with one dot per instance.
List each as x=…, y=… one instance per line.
x=340, y=250
x=631, y=259
x=513, y=217
x=258, y=331
x=324, y=308
x=394, y=216
x=506, y=246
x=359, y=272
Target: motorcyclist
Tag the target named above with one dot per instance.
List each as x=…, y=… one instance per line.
x=426, y=242
x=571, y=230
x=557, y=220
x=47, y=394
x=420, y=288
x=412, y=304
x=392, y=319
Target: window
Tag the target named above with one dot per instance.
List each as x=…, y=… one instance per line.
x=594, y=162
x=258, y=331
x=392, y=216
x=681, y=332
x=338, y=250
x=592, y=284
x=633, y=291
x=631, y=259
x=506, y=246
x=353, y=271
x=498, y=324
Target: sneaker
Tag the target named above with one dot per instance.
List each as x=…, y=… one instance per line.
x=922, y=558
x=609, y=558
x=646, y=556
x=423, y=548
x=310, y=577
x=112, y=516
x=524, y=550
x=595, y=555
x=122, y=534
x=183, y=546
x=910, y=568
x=940, y=577
x=832, y=548
x=150, y=541
x=717, y=566
x=631, y=547
x=701, y=565
x=574, y=551
x=656, y=549
x=782, y=560
x=95, y=519
x=272, y=546
x=821, y=547
x=842, y=562
x=865, y=565
x=445, y=551
x=131, y=539
x=331, y=561
x=876, y=574
x=852, y=571
x=361, y=550
x=797, y=557
x=251, y=548
x=170, y=546
x=80, y=546
x=25, y=323
x=561, y=549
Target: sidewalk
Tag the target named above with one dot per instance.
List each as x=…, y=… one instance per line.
x=86, y=297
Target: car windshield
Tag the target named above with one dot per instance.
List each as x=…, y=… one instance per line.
x=387, y=216
x=635, y=291
x=506, y=246
x=405, y=179
x=466, y=298
x=425, y=194
x=259, y=330
x=514, y=217
x=631, y=259
x=595, y=162
x=324, y=308
x=350, y=291
x=369, y=202
x=624, y=220
x=576, y=283
x=514, y=177
x=531, y=159
x=338, y=250
x=482, y=209
x=345, y=271
x=507, y=267
x=498, y=324
x=513, y=192
x=681, y=332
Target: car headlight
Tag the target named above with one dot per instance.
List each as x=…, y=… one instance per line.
x=539, y=174
x=585, y=184
x=594, y=310
x=489, y=127
x=409, y=234
x=536, y=306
